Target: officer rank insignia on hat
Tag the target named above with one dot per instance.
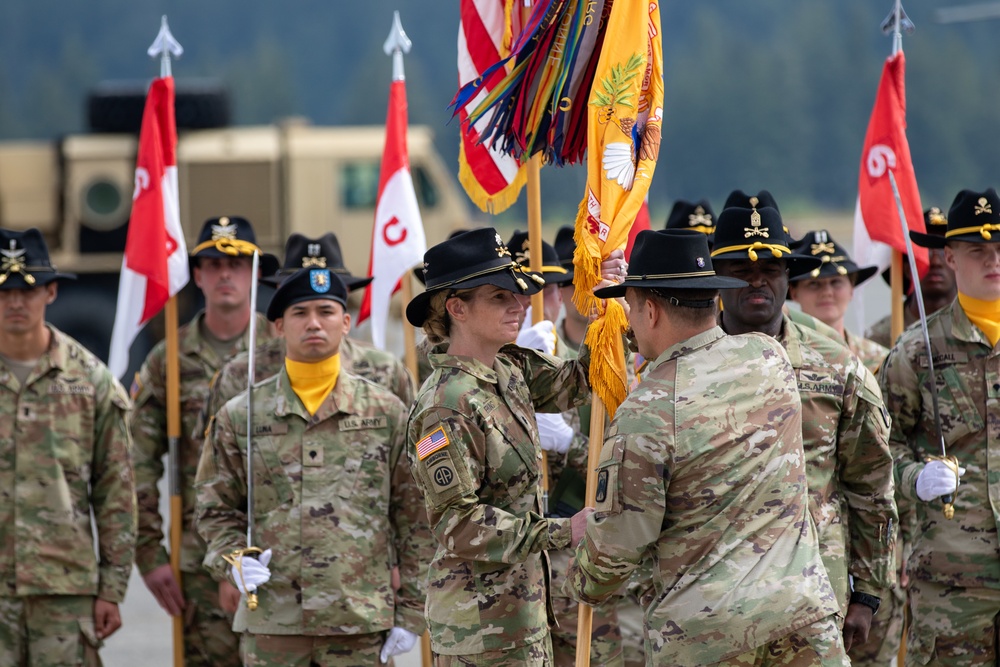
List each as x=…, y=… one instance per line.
x=13, y=262
x=224, y=230
x=312, y=257
x=319, y=280
x=822, y=244
x=501, y=248
x=430, y=443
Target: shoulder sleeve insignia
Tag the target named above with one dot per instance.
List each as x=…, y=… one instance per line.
x=432, y=442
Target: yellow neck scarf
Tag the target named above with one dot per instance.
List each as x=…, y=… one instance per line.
x=312, y=383
x=984, y=314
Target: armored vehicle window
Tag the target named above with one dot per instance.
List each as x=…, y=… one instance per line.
x=359, y=185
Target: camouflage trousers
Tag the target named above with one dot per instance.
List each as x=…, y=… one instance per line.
x=48, y=631
x=820, y=644
x=631, y=622
x=319, y=651
x=952, y=626
x=886, y=633
x=537, y=654
x=605, y=637
x=209, y=639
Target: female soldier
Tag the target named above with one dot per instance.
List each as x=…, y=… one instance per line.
x=475, y=453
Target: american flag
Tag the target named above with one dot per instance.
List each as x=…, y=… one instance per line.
x=431, y=442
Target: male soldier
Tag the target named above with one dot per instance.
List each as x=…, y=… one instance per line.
x=703, y=467
x=954, y=594
x=221, y=265
x=844, y=423
x=938, y=286
x=64, y=457
x=333, y=498
x=358, y=358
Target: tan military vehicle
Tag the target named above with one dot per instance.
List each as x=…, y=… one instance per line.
x=285, y=178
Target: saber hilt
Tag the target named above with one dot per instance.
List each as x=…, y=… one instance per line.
x=235, y=558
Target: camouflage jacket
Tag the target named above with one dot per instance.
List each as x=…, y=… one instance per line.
x=703, y=466
x=809, y=322
x=845, y=433
x=881, y=331
x=356, y=358
x=424, y=349
x=868, y=351
x=198, y=364
x=963, y=551
x=474, y=447
x=333, y=494
x=64, y=452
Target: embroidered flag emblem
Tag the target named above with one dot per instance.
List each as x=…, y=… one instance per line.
x=431, y=442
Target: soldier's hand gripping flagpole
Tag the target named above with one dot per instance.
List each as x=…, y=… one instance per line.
x=235, y=558
x=950, y=461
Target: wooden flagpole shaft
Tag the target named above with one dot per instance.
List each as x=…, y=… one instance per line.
x=409, y=337
x=896, y=283
x=173, y=464
x=585, y=613
x=535, y=264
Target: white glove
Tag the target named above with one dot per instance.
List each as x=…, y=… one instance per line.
x=399, y=641
x=541, y=337
x=936, y=480
x=255, y=572
x=554, y=433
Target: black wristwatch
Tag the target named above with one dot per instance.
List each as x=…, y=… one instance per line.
x=870, y=601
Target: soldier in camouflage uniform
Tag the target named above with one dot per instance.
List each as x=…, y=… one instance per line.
x=475, y=452
x=938, y=286
x=221, y=265
x=845, y=424
x=826, y=291
x=64, y=457
x=703, y=467
x=954, y=569
x=333, y=499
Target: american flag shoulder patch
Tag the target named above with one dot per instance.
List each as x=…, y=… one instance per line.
x=431, y=442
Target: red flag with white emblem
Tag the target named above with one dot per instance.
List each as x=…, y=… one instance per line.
x=398, y=241
x=155, y=265
x=877, y=229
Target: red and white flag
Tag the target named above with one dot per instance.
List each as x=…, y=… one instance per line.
x=877, y=230
x=492, y=179
x=398, y=241
x=155, y=265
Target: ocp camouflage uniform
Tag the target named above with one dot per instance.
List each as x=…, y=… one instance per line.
x=810, y=322
x=881, y=331
x=64, y=453
x=703, y=467
x=868, y=351
x=845, y=432
x=954, y=567
x=208, y=637
x=478, y=468
x=333, y=494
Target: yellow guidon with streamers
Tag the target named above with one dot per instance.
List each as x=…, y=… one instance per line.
x=625, y=113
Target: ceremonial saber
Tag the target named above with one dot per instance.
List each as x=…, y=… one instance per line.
x=950, y=461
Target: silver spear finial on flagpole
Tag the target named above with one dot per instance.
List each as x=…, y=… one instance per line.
x=895, y=24
x=165, y=46
x=396, y=45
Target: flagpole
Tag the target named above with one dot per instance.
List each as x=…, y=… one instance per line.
x=166, y=46
x=896, y=267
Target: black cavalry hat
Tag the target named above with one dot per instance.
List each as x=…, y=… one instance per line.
x=836, y=261
x=565, y=246
x=674, y=258
x=740, y=199
x=418, y=271
x=478, y=257
x=697, y=216
x=302, y=252
x=974, y=217
x=306, y=285
x=553, y=271
x=751, y=233
x=231, y=236
x=24, y=260
x=936, y=224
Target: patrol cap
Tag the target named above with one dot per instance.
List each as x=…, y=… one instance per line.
x=565, y=247
x=697, y=216
x=231, y=236
x=836, y=261
x=752, y=233
x=674, y=258
x=306, y=285
x=936, y=224
x=974, y=217
x=477, y=257
x=24, y=260
x=553, y=272
x=302, y=252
